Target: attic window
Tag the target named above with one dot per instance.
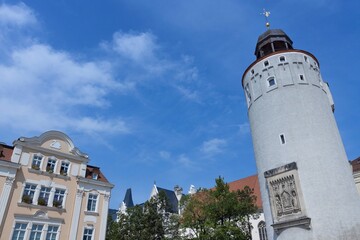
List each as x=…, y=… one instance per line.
x=94, y=176
x=282, y=59
x=266, y=63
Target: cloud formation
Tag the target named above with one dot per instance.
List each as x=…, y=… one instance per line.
x=18, y=15
x=213, y=146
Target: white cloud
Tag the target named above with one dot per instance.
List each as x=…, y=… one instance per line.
x=188, y=94
x=213, y=146
x=137, y=47
x=165, y=154
x=45, y=88
x=184, y=161
x=18, y=15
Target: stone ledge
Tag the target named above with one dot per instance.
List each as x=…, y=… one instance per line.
x=303, y=222
x=29, y=205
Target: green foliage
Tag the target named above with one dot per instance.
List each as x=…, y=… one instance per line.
x=151, y=221
x=216, y=214
x=219, y=213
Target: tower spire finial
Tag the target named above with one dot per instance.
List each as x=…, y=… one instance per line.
x=266, y=14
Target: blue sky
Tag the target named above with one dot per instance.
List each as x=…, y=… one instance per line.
x=151, y=90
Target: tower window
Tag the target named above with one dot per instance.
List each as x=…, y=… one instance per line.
x=282, y=59
x=266, y=63
x=306, y=59
x=252, y=71
x=247, y=90
x=301, y=77
x=271, y=81
x=282, y=139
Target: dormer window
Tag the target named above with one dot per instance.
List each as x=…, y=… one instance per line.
x=95, y=176
x=282, y=59
x=266, y=63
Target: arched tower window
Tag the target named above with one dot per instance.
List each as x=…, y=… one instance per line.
x=262, y=231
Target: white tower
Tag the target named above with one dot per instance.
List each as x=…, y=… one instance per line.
x=306, y=183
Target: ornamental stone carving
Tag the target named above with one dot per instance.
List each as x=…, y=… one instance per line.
x=286, y=198
x=9, y=181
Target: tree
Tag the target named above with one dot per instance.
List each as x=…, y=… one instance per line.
x=150, y=221
x=219, y=213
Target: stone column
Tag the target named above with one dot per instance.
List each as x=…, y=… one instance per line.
x=103, y=216
x=4, y=198
x=76, y=213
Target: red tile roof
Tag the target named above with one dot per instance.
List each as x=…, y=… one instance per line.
x=93, y=169
x=5, y=152
x=252, y=182
x=355, y=164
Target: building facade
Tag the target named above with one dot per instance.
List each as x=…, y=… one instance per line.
x=307, y=189
x=48, y=191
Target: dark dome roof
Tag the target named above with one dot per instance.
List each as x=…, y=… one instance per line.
x=271, y=41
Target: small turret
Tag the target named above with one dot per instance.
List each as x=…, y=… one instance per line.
x=272, y=40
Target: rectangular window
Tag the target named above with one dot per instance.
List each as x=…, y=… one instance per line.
x=91, y=205
x=58, y=198
x=95, y=176
x=282, y=139
x=271, y=81
x=44, y=196
x=19, y=231
x=36, y=162
x=266, y=63
x=50, y=167
x=52, y=232
x=301, y=77
x=282, y=59
x=29, y=192
x=36, y=231
x=88, y=233
x=64, y=168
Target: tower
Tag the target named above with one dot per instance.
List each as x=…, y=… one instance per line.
x=306, y=183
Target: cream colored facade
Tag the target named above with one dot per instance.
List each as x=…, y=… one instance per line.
x=51, y=192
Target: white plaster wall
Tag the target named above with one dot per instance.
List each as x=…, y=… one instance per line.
x=302, y=111
x=254, y=223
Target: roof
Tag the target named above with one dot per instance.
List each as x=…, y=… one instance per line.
x=171, y=197
x=252, y=182
x=6, y=152
x=128, y=198
x=113, y=213
x=90, y=170
x=355, y=164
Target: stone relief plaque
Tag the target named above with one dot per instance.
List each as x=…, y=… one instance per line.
x=286, y=199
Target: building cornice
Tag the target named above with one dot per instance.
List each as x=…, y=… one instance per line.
x=4, y=163
x=94, y=182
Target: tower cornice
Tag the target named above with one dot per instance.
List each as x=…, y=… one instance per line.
x=275, y=53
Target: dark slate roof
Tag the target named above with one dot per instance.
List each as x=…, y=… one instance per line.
x=128, y=198
x=171, y=197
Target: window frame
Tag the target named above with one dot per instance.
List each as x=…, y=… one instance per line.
x=271, y=79
x=59, y=197
x=51, y=164
x=262, y=230
x=37, y=161
x=86, y=235
x=64, y=168
x=35, y=231
x=92, y=203
x=29, y=192
x=44, y=194
x=19, y=230
x=49, y=233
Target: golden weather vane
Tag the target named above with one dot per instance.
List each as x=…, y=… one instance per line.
x=266, y=14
